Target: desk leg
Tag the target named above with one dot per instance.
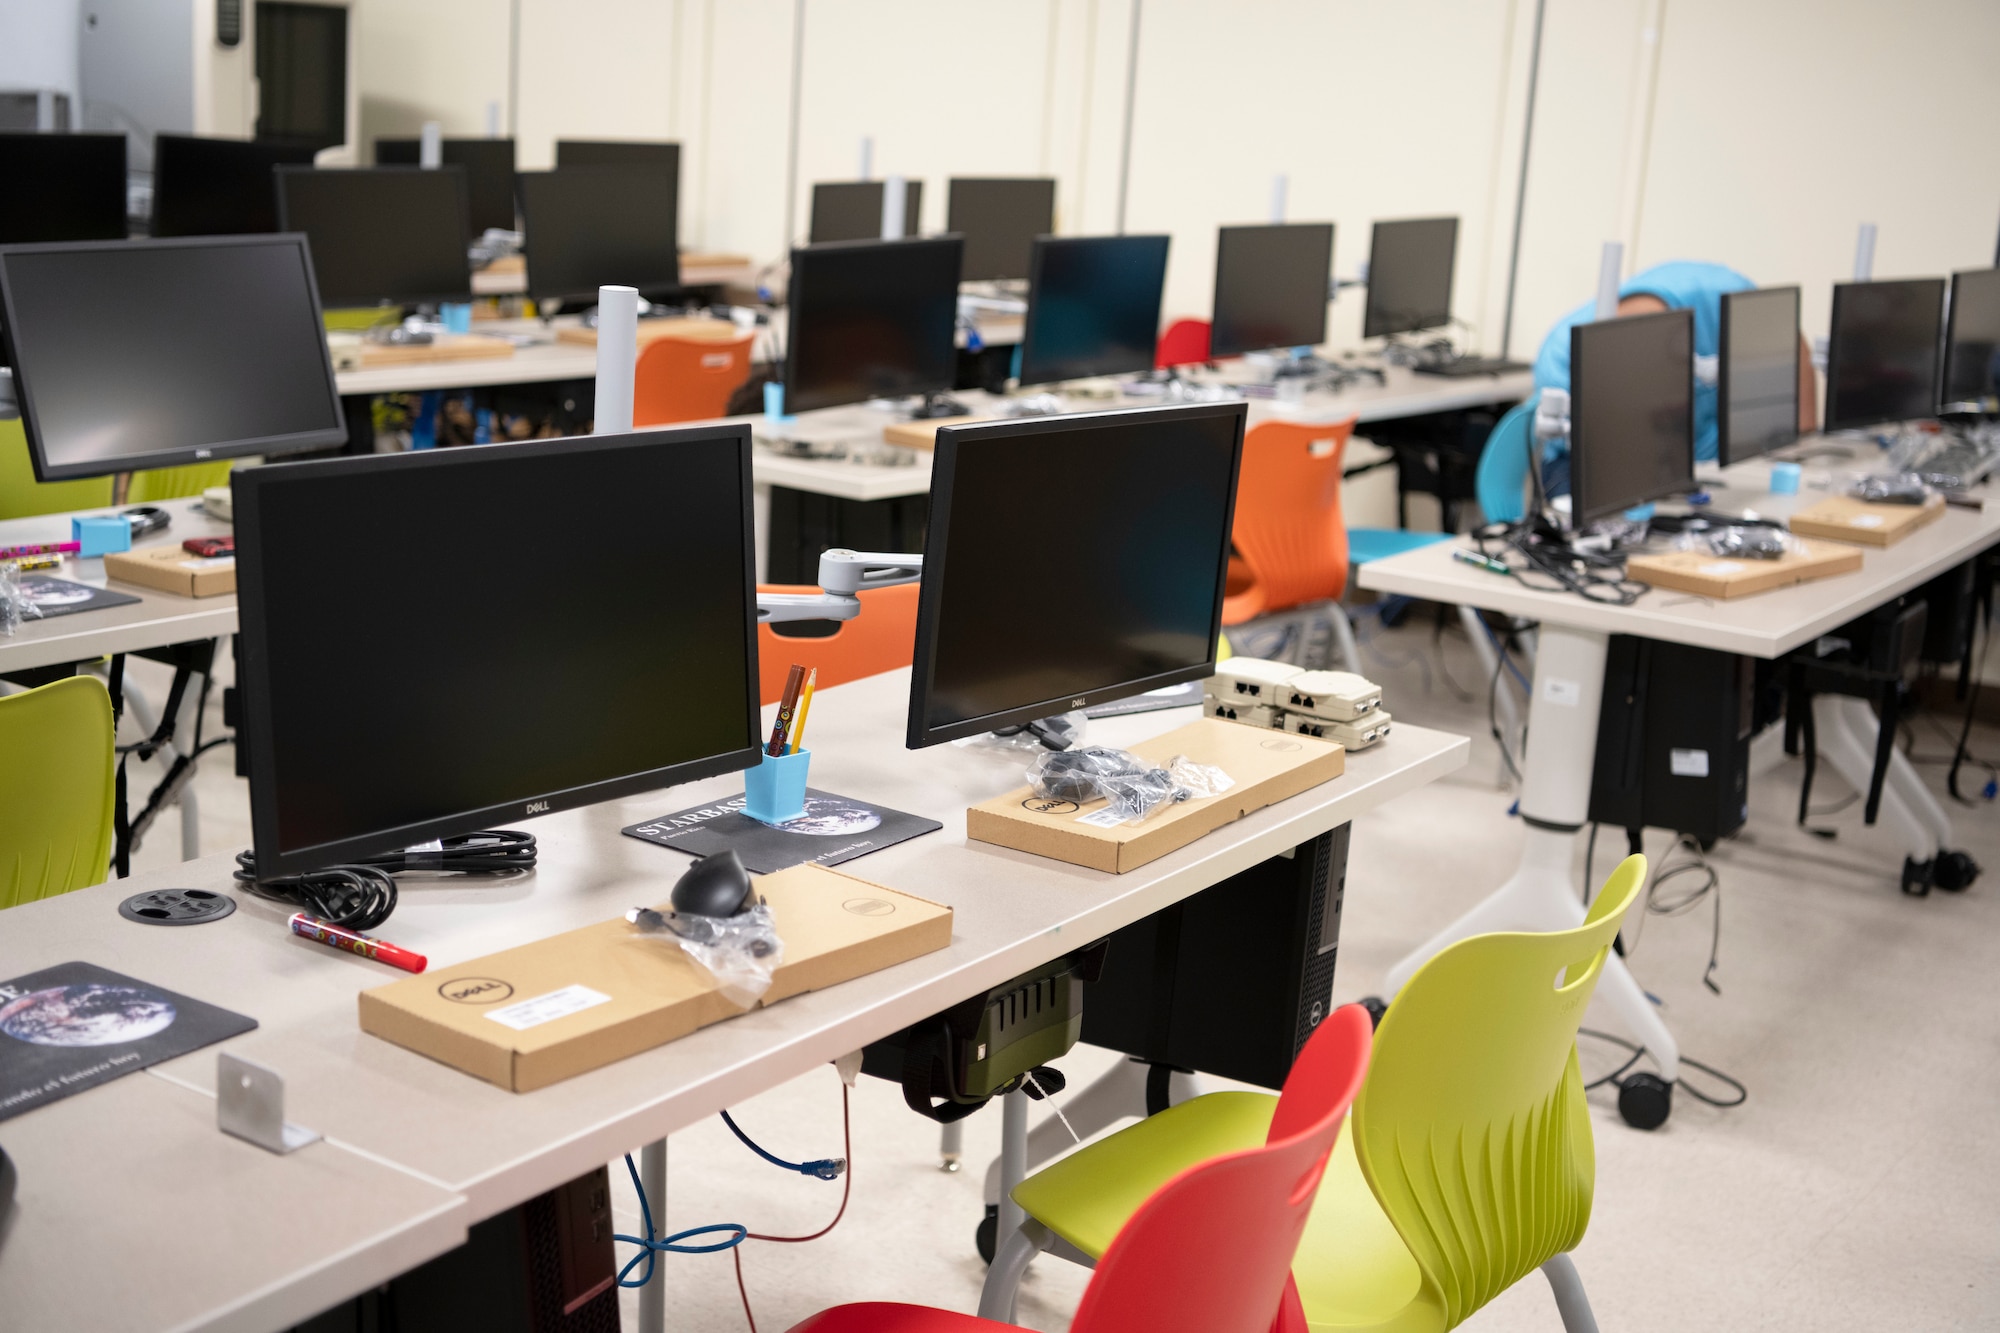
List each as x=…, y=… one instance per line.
x=653, y=1296
x=1846, y=741
x=1013, y=1159
x=1555, y=803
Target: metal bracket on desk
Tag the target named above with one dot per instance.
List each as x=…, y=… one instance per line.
x=250, y=1103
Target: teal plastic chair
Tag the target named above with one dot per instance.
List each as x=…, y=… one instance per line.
x=56, y=786
x=1501, y=483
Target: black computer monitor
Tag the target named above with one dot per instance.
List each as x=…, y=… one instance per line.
x=1029, y=609
x=1270, y=287
x=472, y=679
x=1972, y=343
x=1093, y=306
x=381, y=235
x=871, y=319
x=218, y=187
x=1757, y=373
x=489, y=175
x=144, y=354
x=591, y=227
x=660, y=154
x=1631, y=412
x=999, y=220
x=1882, y=357
x=62, y=187
x=1409, y=276
x=852, y=211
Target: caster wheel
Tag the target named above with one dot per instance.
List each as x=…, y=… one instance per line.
x=1954, y=871
x=1645, y=1100
x=1376, y=1007
x=1917, y=876
x=987, y=1238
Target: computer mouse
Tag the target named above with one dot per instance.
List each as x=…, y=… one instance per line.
x=716, y=885
x=7, y=1181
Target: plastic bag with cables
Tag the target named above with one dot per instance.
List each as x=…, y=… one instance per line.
x=740, y=952
x=15, y=605
x=1741, y=542
x=1133, y=787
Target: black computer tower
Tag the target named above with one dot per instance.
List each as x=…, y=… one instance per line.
x=1233, y=980
x=1673, y=739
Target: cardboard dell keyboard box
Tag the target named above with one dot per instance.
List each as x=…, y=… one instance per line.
x=531, y=1016
x=1267, y=767
x=170, y=568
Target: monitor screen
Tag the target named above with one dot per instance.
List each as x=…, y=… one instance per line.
x=381, y=235
x=143, y=354
x=591, y=227
x=62, y=187
x=852, y=211
x=1631, y=412
x=1409, y=276
x=1093, y=306
x=1030, y=609
x=1271, y=287
x=1882, y=357
x=871, y=319
x=218, y=187
x=1757, y=401
x=999, y=220
x=1972, y=343
x=489, y=175
x=469, y=679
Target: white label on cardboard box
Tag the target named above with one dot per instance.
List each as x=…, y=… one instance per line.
x=1720, y=567
x=1567, y=693
x=1865, y=521
x=547, y=1008
x=1108, y=817
x=1688, y=763
x=210, y=562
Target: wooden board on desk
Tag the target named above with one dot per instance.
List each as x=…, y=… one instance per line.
x=922, y=434
x=688, y=330
x=1842, y=518
x=1710, y=575
x=451, y=347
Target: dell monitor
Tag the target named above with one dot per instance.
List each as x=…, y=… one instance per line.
x=852, y=210
x=1409, y=276
x=1028, y=609
x=1093, y=306
x=62, y=187
x=999, y=220
x=145, y=354
x=661, y=155
x=528, y=684
x=599, y=226
x=1757, y=373
x=1972, y=343
x=1631, y=412
x=1270, y=287
x=1882, y=357
x=381, y=235
x=218, y=187
x=871, y=319
x=489, y=175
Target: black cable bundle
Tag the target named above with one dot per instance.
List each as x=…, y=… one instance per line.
x=360, y=896
x=499, y=851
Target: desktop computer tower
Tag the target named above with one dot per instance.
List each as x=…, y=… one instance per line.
x=1232, y=981
x=1673, y=739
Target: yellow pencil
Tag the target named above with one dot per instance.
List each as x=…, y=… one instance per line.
x=805, y=704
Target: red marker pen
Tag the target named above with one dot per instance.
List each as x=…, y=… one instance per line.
x=340, y=937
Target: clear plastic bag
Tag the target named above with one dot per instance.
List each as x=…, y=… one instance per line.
x=740, y=952
x=15, y=605
x=1893, y=488
x=1133, y=788
x=1741, y=542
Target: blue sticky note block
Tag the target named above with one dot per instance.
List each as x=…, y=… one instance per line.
x=101, y=535
x=456, y=316
x=775, y=790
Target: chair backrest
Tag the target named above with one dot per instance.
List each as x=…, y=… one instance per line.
x=882, y=638
x=55, y=789
x=1185, y=343
x=1501, y=483
x=21, y=496
x=1288, y=527
x=1211, y=1250
x=687, y=379
x=1472, y=1129
x=175, y=483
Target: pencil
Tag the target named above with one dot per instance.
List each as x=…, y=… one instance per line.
x=787, y=706
x=805, y=706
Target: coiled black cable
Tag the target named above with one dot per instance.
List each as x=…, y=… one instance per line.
x=498, y=851
x=362, y=894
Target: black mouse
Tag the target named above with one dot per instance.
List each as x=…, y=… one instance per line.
x=713, y=886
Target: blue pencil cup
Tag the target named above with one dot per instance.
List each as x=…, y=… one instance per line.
x=456, y=316
x=775, y=790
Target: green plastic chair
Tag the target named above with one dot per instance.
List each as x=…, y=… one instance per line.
x=55, y=789
x=1467, y=1162
x=21, y=496
x=176, y=483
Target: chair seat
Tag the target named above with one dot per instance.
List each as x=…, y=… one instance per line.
x=1353, y=1271
x=1365, y=544
x=893, y=1317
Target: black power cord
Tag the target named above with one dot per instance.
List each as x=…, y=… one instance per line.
x=361, y=895
x=1616, y=1078
x=499, y=851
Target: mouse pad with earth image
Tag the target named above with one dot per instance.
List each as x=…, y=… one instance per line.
x=833, y=829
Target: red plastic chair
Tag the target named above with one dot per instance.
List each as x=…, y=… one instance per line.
x=1185, y=343
x=1289, y=531
x=882, y=638
x=688, y=379
x=1211, y=1250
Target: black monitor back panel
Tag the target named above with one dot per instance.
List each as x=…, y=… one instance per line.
x=1757, y=391
x=489, y=175
x=852, y=210
x=62, y=187
x=1882, y=356
x=381, y=235
x=1000, y=219
x=218, y=187
x=1410, y=266
x=599, y=226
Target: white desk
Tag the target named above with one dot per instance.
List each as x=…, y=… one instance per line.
x=496, y=1148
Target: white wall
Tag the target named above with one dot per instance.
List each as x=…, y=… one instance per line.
x=38, y=45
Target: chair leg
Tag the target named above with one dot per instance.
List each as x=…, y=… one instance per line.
x=1018, y=1249
x=1571, y=1303
x=1343, y=637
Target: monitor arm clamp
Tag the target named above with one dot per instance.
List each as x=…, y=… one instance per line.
x=843, y=576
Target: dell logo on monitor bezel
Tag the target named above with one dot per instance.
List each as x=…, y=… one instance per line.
x=538, y=807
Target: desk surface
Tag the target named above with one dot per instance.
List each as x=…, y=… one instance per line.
x=1766, y=624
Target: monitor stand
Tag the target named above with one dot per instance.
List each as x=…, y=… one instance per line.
x=936, y=406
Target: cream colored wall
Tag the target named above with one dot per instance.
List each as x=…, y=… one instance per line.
x=419, y=60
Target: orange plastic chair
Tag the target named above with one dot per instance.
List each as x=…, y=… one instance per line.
x=686, y=379
x=1185, y=343
x=882, y=638
x=1288, y=533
